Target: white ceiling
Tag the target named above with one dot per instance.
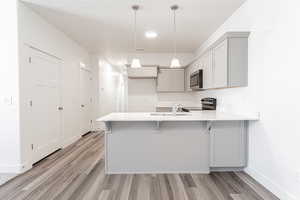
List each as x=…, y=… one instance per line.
x=107, y=25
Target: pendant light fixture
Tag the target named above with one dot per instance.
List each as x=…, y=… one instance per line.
x=135, y=61
x=175, y=62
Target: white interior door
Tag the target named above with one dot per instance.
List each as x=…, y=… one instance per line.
x=85, y=100
x=45, y=93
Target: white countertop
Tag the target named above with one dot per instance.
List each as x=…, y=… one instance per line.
x=194, y=116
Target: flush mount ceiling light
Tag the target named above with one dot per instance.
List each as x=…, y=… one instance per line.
x=135, y=61
x=175, y=63
x=151, y=34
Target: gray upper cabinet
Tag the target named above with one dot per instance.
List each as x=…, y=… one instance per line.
x=220, y=67
x=187, y=78
x=238, y=61
x=142, y=73
x=206, y=65
x=228, y=144
x=224, y=63
x=230, y=60
x=170, y=80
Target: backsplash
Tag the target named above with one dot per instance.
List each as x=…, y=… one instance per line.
x=231, y=100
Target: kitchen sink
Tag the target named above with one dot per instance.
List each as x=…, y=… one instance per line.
x=169, y=114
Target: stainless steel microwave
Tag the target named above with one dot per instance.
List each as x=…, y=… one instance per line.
x=196, y=80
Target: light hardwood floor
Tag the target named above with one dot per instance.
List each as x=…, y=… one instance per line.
x=77, y=172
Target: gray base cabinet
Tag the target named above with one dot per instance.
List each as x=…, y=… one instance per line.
x=228, y=143
x=144, y=148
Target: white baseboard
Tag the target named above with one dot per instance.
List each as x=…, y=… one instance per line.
x=8, y=172
x=6, y=177
x=14, y=169
x=270, y=185
x=69, y=141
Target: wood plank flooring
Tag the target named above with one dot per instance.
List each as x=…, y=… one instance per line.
x=77, y=173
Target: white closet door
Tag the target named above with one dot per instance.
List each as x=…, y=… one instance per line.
x=85, y=100
x=45, y=92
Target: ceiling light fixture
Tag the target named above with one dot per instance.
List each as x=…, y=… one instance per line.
x=175, y=63
x=151, y=34
x=135, y=61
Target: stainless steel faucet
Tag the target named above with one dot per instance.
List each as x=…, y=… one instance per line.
x=176, y=108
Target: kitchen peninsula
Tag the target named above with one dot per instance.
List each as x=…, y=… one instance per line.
x=167, y=143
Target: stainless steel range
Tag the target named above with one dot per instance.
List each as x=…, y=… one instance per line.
x=209, y=103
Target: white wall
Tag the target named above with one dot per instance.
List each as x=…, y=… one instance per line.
x=142, y=95
x=273, y=90
x=9, y=91
x=37, y=32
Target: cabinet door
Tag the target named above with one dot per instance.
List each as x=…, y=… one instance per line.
x=207, y=70
x=170, y=80
x=238, y=62
x=220, y=63
x=228, y=144
x=187, y=78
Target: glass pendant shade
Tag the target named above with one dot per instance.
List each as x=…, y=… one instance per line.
x=136, y=63
x=175, y=63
